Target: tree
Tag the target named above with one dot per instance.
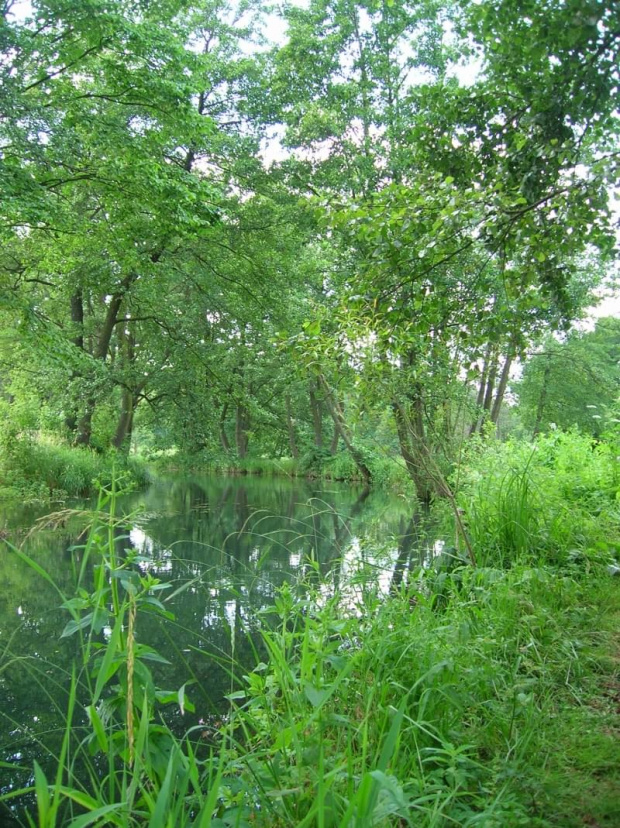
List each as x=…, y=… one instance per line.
x=467, y=242
x=573, y=382
x=115, y=201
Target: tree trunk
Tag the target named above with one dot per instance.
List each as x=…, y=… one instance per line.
x=475, y=425
x=85, y=425
x=84, y=429
x=342, y=428
x=317, y=415
x=542, y=400
x=413, y=461
x=129, y=391
x=242, y=425
x=124, y=428
x=491, y=376
x=501, y=388
x=77, y=320
x=222, y=429
x=291, y=429
x=333, y=446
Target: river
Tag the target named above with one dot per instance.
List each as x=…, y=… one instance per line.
x=224, y=546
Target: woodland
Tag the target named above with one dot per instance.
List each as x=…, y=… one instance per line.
x=351, y=240
x=232, y=231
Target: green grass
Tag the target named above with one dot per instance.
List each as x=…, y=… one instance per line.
x=39, y=469
x=556, y=499
x=431, y=717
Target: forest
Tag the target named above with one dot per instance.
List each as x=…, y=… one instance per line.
x=360, y=241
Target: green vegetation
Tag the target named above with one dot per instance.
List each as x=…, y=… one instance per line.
x=574, y=382
x=34, y=468
x=479, y=695
x=335, y=244
x=326, y=254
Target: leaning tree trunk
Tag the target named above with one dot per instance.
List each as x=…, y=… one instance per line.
x=501, y=388
x=409, y=448
x=292, y=441
x=341, y=426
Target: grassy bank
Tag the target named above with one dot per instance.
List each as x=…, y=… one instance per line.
x=42, y=468
x=389, y=472
x=481, y=695
x=483, y=698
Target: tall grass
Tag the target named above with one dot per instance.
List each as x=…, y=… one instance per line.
x=35, y=469
x=545, y=501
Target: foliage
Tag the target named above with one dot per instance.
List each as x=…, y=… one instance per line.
x=413, y=236
x=575, y=382
x=32, y=468
x=551, y=500
x=353, y=306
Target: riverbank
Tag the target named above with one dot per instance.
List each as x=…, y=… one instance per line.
x=481, y=698
x=387, y=471
x=43, y=468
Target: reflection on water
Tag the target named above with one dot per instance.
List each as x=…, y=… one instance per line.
x=225, y=546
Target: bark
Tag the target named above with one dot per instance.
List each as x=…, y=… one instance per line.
x=223, y=436
x=317, y=415
x=411, y=455
x=484, y=401
x=333, y=446
x=475, y=425
x=124, y=428
x=84, y=428
x=242, y=425
x=490, y=387
x=341, y=426
x=483, y=377
x=129, y=395
x=77, y=319
x=501, y=388
x=291, y=429
x=542, y=400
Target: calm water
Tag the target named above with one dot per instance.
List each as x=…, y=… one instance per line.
x=233, y=542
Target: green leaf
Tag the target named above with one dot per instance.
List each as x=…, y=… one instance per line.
x=95, y=720
x=316, y=696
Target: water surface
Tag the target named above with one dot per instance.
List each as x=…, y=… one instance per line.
x=231, y=543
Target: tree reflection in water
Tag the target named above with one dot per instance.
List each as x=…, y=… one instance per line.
x=224, y=547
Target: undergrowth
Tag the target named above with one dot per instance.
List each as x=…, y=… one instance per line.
x=388, y=472
x=34, y=469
